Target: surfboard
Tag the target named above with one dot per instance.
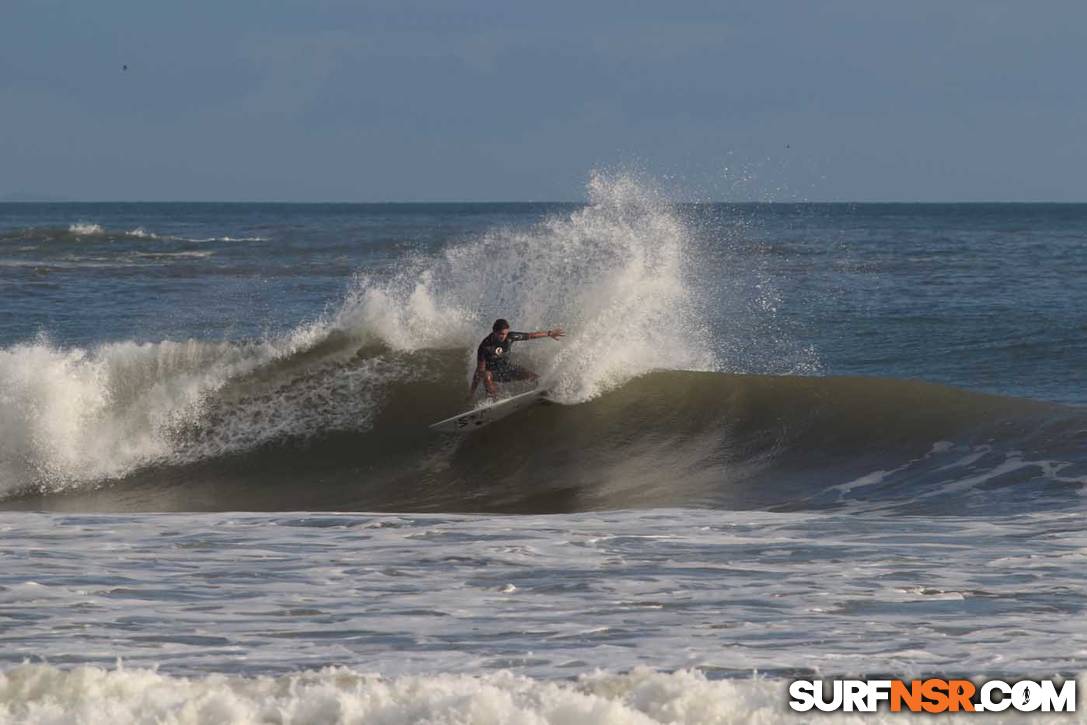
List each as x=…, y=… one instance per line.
x=488, y=413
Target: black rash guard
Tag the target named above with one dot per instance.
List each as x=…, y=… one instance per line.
x=495, y=353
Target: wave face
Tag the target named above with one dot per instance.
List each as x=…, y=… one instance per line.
x=332, y=426
x=662, y=397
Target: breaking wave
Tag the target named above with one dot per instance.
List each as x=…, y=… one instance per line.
x=652, y=410
x=341, y=423
x=43, y=694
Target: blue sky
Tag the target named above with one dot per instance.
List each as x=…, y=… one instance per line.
x=414, y=101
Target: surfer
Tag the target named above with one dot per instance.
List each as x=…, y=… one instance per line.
x=493, y=357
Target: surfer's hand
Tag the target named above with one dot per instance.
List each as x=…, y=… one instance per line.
x=556, y=333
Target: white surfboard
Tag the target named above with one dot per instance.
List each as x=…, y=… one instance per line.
x=488, y=413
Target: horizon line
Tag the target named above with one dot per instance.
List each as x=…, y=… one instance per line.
x=525, y=201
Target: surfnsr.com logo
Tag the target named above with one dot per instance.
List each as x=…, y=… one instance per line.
x=933, y=695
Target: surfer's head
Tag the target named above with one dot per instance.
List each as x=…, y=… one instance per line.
x=500, y=325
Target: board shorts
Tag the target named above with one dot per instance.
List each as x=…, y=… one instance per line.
x=509, y=373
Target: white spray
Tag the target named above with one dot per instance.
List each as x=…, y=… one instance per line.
x=613, y=274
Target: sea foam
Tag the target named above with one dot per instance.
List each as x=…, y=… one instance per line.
x=85, y=229
x=40, y=694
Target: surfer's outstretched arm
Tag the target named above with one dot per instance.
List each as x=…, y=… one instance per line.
x=553, y=334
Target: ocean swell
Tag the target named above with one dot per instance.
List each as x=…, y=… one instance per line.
x=649, y=408
x=334, y=427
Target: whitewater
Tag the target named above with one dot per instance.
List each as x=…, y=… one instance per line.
x=787, y=440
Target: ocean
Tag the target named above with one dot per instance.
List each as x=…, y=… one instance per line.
x=786, y=440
